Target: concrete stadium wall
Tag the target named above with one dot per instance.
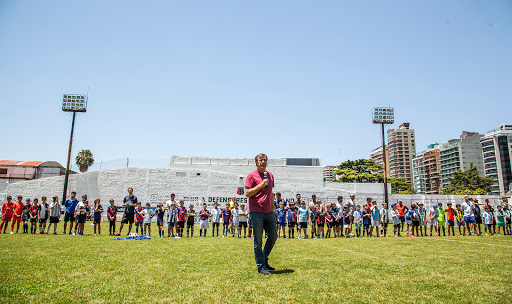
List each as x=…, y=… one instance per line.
x=202, y=179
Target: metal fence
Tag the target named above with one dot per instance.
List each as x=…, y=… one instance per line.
x=129, y=163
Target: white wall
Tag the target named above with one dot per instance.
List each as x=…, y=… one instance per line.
x=218, y=180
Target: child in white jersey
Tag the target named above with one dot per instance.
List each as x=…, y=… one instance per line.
x=358, y=220
x=236, y=219
x=395, y=216
x=55, y=209
x=243, y=221
x=302, y=217
x=148, y=215
x=215, y=214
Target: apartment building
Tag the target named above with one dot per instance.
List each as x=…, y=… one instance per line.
x=426, y=171
x=497, y=155
x=459, y=154
x=402, y=149
x=376, y=155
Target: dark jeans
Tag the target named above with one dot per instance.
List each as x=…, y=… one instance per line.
x=263, y=221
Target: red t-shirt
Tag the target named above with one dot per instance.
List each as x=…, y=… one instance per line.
x=400, y=209
x=7, y=210
x=261, y=201
x=451, y=213
x=18, y=207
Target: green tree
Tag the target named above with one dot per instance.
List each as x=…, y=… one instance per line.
x=468, y=182
x=400, y=186
x=361, y=170
x=84, y=160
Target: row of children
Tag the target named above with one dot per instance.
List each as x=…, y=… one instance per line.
x=338, y=218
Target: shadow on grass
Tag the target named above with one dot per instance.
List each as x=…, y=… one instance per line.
x=284, y=271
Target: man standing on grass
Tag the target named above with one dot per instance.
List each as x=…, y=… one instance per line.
x=170, y=206
x=130, y=202
x=258, y=185
x=69, y=215
x=469, y=215
x=401, y=211
x=351, y=209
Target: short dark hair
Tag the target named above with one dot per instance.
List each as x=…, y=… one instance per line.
x=340, y=197
x=260, y=155
x=278, y=193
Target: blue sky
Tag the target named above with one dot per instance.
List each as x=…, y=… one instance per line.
x=236, y=78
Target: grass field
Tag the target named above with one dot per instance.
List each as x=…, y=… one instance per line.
x=79, y=269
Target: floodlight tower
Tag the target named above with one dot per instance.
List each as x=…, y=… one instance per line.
x=384, y=116
x=72, y=103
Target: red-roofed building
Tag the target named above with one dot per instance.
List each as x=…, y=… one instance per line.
x=12, y=171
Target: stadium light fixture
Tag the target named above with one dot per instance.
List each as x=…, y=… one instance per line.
x=72, y=103
x=384, y=116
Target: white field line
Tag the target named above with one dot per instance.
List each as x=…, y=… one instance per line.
x=490, y=244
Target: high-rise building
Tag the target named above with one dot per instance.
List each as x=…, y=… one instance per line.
x=426, y=171
x=497, y=155
x=330, y=173
x=376, y=155
x=402, y=149
x=459, y=154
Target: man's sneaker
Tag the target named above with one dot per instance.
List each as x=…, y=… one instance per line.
x=264, y=272
x=118, y=234
x=269, y=268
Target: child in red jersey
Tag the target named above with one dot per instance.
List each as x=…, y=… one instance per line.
x=112, y=217
x=7, y=212
x=450, y=214
x=139, y=218
x=34, y=215
x=320, y=210
x=17, y=212
x=181, y=214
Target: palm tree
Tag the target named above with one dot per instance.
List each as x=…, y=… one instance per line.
x=84, y=160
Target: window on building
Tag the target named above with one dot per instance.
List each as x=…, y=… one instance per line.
x=181, y=174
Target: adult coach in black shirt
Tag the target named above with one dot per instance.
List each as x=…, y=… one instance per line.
x=130, y=202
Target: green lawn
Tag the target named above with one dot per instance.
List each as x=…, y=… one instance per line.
x=64, y=269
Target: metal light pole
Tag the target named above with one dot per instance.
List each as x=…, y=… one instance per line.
x=72, y=103
x=384, y=116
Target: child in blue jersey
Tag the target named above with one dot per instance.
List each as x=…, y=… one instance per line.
x=302, y=215
x=375, y=218
x=226, y=217
x=313, y=218
x=346, y=221
x=281, y=219
x=291, y=216
x=112, y=216
x=335, y=219
x=160, y=212
x=98, y=210
x=329, y=219
x=358, y=220
x=366, y=221
x=487, y=220
x=203, y=221
x=215, y=213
